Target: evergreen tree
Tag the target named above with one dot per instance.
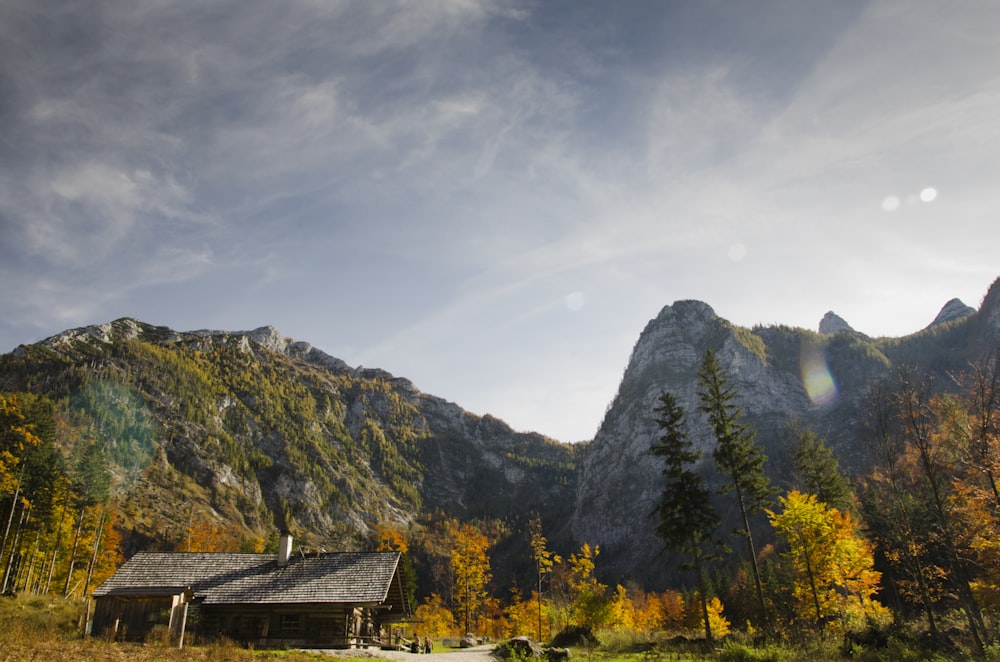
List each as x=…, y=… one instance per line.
x=818, y=471
x=686, y=517
x=737, y=454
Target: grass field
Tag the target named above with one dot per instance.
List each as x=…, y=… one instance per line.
x=47, y=629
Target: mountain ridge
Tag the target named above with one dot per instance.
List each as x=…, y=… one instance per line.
x=257, y=431
x=781, y=375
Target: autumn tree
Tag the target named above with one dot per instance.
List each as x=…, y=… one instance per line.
x=915, y=504
x=435, y=617
x=16, y=437
x=737, y=455
x=919, y=416
x=894, y=508
x=389, y=538
x=544, y=561
x=833, y=564
x=17, y=441
x=471, y=570
x=622, y=611
x=972, y=422
x=975, y=425
x=686, y=520
x=590, y=602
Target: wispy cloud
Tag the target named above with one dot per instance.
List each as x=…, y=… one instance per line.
x=449, y=171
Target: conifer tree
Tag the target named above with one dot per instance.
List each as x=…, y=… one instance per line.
x=687, y=520
x=737, y=455
x=818, y=471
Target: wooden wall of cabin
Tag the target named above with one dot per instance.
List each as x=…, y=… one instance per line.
x=130, y=619
x=279, y=626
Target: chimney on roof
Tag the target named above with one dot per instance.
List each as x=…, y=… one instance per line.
x=284, y=549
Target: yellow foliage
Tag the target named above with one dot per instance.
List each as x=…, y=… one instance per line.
x=719, y=623
x=436, y=620
x=391, y=539
x=833, y=564
x=470, y=566
x=622, y=610
x=16, y=436
x=205, y=537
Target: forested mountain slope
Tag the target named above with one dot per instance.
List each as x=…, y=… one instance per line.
x=239, y=434
x=784, y=378
x=252, y=432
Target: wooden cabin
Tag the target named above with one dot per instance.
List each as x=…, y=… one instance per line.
x=283, y=600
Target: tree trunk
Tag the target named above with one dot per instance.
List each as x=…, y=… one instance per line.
x=31, y=564
x=14, y=557
x=93, y=556
x=753, y=553
x=55, y=551
x=72, y=556
x=703, y=589
x=10, y=516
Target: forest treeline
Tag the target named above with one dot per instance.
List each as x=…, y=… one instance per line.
x=915, y=538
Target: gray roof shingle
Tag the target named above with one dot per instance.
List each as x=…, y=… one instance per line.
x=221, y=578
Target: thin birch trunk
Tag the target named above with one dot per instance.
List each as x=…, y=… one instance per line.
x=55, y=551
x=72, y=556
x=97, y=547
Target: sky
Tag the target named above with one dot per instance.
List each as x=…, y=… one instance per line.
x=492, y=198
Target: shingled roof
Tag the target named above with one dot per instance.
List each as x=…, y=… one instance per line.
x=358, y=578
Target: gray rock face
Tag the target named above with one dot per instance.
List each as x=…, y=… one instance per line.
x=833, y=323
x=620, y=481
x=781, y=375
x=952, y=310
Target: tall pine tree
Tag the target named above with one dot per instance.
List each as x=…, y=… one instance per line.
x=737, y=455
x=687, y=520
x=817, y=471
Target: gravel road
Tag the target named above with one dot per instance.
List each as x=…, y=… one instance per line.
x=475, y=654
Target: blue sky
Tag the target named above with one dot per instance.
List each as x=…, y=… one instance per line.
x=493, y=197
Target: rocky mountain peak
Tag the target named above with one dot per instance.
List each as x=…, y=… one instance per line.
x=269, y=338
x=953, y=310
x=107, y=333
x=833, y=323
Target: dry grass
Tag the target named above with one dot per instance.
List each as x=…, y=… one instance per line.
x=47, y=629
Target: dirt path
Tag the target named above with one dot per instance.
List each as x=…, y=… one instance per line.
x=475, y=654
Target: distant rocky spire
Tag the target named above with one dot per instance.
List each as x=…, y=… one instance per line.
x=952, y=310
x=833, y=323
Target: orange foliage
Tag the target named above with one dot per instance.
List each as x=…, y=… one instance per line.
x=205, y=537
x=391, y=539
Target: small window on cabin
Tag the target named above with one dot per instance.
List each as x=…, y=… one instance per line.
x=289, y=622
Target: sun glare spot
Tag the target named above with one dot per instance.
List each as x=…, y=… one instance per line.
x=929, y=194
x=816, y=377
x=575, y=301
x=891, y=203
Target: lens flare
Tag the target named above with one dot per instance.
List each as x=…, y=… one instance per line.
x=891, y=203
x=816, y=377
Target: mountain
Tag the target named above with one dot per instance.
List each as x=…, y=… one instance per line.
x=782, y=376
x=256, y=432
